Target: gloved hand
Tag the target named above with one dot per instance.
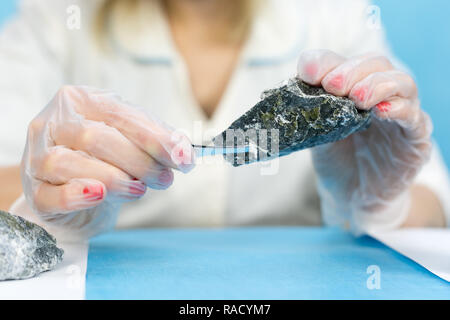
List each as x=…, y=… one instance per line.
x=366, y=177
x=88, y=152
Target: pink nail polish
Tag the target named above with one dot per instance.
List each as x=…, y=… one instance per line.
x=337, y=82
x=384, y=106
x=184, y=158
x=93, y=192
x=136, y=191
x=165, y=177
x=136, y=187
x=360, y=93
x=311, y=69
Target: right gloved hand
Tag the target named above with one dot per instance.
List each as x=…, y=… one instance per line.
x=367, y=177
x=89, y=151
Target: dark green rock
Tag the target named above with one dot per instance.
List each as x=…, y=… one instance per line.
x=25, y=248
x=290, y=118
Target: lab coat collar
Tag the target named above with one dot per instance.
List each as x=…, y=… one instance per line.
x=274, y=35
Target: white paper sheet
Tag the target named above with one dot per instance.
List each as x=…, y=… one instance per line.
x=66, y=282
x=428, y=247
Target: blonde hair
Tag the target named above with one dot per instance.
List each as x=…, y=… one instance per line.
x=102, y=18
x=130, y=7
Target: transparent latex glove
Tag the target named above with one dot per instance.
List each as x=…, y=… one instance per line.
x=366, y=177
x=88, y=152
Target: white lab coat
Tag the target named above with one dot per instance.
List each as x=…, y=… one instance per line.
x=39, y=53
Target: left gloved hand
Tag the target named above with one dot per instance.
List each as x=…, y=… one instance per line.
x=366, y=177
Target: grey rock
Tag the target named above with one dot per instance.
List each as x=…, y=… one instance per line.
x=290, y=118
x=25, y=248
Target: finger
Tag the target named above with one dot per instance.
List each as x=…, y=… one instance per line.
x=109, y=145
x=77, y=194
x=152, y=136
x=342, y=79
x=60, y=165
x=408, y=114
x=413, y=135
x=314, y=65
x=381, y=86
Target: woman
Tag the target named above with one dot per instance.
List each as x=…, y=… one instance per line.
x=198, y=65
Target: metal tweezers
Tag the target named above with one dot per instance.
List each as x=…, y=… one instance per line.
x=204, y=151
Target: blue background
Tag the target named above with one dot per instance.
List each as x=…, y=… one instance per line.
x=251, y=263
x=418, y=31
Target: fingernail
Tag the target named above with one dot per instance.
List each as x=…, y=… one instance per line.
x=137, y=188
x=311, y=69
x=384, y=106
x=129, y=188
x=183, y=158
x=337, y=82
x=93, y=192
x=360, y=93
x=165, y=177
x=178, y=155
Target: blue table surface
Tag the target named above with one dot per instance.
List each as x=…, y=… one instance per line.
x=251, y=263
